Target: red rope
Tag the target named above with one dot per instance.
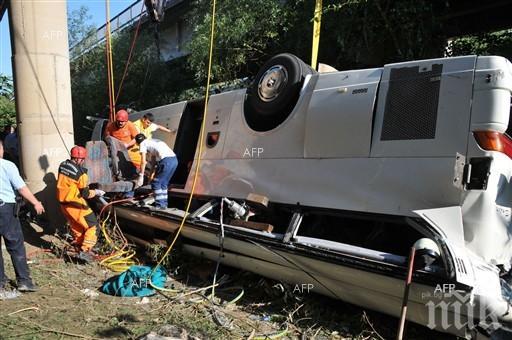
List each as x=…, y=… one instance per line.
x=121, y=200
x=132, y=47
x=110, y=102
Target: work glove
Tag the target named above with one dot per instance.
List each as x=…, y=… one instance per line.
x=99, y=192
x=140, y=180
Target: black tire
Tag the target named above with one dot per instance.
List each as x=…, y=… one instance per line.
x=275, y=91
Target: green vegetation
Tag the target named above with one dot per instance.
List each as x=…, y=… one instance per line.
x=7, y=107
x=149, y=81
x=355, y=34
x=69, y=305
x=78, y=25
x=494, y=43
x=246, y=32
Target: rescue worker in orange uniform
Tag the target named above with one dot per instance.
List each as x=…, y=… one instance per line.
x=72, y=192
x=125, y=131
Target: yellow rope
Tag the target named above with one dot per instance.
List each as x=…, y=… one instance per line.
x=121, y=260
x=109, y=54
x=201, y=137
x=317, y=20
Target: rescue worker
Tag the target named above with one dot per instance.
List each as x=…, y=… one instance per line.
x=10, y=228
x=146, y=125
x=125, y=131
x=165, y=167
x=72, y=192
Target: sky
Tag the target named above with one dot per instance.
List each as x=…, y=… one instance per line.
x=96, y=9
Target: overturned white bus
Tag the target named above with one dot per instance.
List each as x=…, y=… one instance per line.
x=330, y=178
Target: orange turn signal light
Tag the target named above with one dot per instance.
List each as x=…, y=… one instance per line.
x=494, y=141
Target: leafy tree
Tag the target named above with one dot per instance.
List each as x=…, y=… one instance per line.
x=246, y=32
x=355, y=34
x=79, y=26
x=6, y=86
x=494, y=43
x=149, y=81
x=367, y=33
x=7, y=106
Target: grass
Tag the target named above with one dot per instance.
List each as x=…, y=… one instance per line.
x=61, y=310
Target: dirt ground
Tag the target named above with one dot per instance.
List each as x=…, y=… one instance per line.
x=69, y=305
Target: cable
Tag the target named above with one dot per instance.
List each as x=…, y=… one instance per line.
x=201, y=137
x=110, y=115
x=221, y=245
x=110, y=69
x=120, y=260
x=130, y=53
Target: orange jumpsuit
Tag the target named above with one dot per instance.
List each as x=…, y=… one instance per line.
x=125, y=135
x=72, y=190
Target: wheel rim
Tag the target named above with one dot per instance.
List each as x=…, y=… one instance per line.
x=272, y=82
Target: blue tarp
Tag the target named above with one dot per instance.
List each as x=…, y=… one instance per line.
x=135, y=282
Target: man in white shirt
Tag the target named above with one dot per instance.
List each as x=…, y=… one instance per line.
x=165, y=167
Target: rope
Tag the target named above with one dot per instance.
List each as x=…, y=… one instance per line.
x=117, y=261
x=317, y=21
x=110, y=115
x=132, y=47
x=201, y=137
x=110, y=69
x=120, y=259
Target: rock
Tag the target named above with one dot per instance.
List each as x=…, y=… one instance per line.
x=8, y=294
x=90, y=293
x=143, y=301
x=154, y=336
x=167, y=332
x=173, y=332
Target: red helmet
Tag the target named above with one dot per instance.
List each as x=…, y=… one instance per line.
x=78, y=152
x=122, y=116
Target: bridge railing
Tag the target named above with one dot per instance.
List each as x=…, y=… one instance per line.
x=121, y=21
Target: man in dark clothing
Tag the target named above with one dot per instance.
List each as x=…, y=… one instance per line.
x=10, y=228
x=8, y=129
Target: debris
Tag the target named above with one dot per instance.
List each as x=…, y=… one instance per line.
x=263, y=317
x=154, y=336
x=86, y=257
x=143, y=301
x=90, y=293
x=167, y=332
x=8, y=294
x=23, y=310
x=173, y=331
